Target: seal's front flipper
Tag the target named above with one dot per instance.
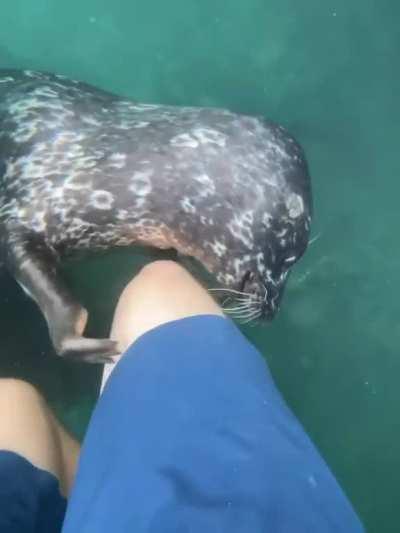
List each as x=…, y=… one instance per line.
x=34, y=266
x=98, y=351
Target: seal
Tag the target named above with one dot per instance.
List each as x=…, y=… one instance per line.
x=82, y=169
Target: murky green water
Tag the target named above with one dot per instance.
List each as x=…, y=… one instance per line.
x=328, y=71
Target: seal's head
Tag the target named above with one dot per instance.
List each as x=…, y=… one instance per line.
x=253, y=284
x=265, y=242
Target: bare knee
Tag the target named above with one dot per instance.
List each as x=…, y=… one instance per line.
x=168, y=285
x=21, y=406
x=162, y=270
x=14, y=384
x=29, y=429
x=163, y=291
x=17, y=392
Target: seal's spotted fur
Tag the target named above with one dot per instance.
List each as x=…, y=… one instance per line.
x=84, y=169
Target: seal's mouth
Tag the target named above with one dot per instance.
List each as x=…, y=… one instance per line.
x=265, y=293
x=254, y=298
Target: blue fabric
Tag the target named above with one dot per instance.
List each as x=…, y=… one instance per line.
x=30, y=500
x=191, y=435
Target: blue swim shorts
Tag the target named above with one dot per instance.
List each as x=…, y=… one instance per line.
x=30, y=499
x=189, y=436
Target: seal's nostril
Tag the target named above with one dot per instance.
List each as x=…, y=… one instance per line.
x=249, y=276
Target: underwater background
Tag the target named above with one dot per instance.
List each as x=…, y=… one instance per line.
x=325, y=70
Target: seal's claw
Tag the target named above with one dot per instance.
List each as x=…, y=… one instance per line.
x=95, y=351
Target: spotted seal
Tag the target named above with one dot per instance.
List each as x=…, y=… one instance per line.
x=83, y=169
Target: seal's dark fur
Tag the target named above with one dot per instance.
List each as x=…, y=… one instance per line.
x=82, y=169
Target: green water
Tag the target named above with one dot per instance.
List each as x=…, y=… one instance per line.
x=327, y=71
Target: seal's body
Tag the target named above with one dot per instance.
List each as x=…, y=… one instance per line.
x=82, y=169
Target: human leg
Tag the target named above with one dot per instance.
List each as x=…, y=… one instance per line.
x=29, y=429
x=162, y=292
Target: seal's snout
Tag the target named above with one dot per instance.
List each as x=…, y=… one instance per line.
x=265, y=289
x=271, y=302
x=273, y=293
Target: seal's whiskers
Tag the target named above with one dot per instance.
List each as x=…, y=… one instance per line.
x=252, y=317
x=315, y=239
x=242, y=307
x=246, y=313
x=233, y=291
